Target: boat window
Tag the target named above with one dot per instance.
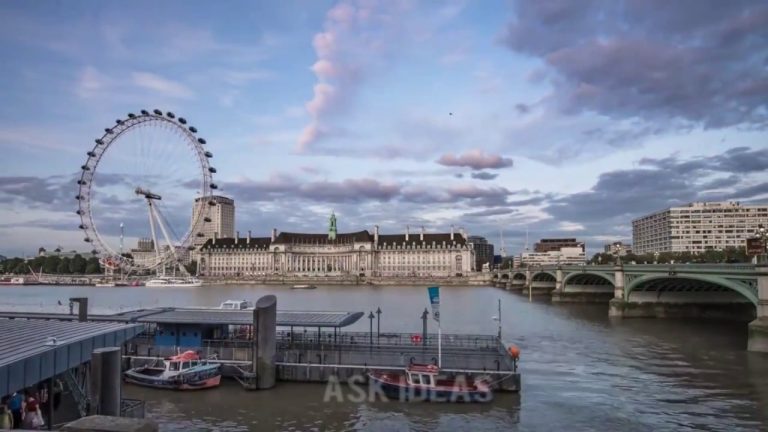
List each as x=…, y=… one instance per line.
x=184, y=365
x=184, y=334
x=173, y=366
x=416, y=378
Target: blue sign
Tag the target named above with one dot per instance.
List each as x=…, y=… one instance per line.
x=434, y=300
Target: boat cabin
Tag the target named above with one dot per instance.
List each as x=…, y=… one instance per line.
x=423, y=375
x=236, y=305
x=183, y=361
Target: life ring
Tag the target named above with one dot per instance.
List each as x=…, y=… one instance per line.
x=416, y=339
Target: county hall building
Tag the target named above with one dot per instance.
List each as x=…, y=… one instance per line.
x=336, y=254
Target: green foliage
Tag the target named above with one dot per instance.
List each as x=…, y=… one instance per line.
x=93, y=266
x=77, y=265
x=63, y=267
x=51, y=264
x=191, y=267
x=729, y=255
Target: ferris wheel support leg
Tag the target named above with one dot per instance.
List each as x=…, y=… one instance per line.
x=152, y=228
x=168, y=239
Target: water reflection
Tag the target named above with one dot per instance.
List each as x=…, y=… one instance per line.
x=581, y=370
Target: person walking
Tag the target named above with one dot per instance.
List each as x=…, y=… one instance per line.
x=15, y=405
x=6, y=418
x=33, y=418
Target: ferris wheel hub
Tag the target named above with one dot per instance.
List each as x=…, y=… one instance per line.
x=147, y=194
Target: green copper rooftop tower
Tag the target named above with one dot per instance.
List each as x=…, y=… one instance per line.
x=332, y=227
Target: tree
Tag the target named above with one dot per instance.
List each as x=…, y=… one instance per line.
x=63, y=267
x=77, y=265
x=93, y=266
x=21, y=268
x=191, y=267
x=51, y=264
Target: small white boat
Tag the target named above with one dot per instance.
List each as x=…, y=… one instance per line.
x=236, y=305
x=303, y=287
x=185, y=371
x=173, y=282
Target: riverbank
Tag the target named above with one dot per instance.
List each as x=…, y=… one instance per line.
x=479, y=279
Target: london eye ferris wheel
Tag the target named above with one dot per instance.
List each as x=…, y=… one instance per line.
x=141, y=178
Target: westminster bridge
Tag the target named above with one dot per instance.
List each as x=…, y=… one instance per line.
x=730, y=291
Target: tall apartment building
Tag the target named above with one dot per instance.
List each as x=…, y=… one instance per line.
x=555, y=244
x=483, y=251
x=697, y=227
x=221, y=215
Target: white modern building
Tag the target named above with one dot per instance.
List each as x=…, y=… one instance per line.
x=218, y=218
x=566, y=255
x=336, y=254
x=697, y=227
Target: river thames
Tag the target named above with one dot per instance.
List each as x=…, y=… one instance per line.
x=580, y=370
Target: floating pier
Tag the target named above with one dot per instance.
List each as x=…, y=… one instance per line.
x=262, y=345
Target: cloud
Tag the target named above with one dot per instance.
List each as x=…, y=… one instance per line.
x=357, y=38
x=622, y=195
x=482, y=175
x=679, y=64
x=161, y=85
x=475, y=159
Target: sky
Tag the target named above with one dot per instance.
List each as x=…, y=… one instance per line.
x=556, y=118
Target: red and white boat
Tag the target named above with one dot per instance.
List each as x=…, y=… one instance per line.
x=420, y=382
x=185, y=371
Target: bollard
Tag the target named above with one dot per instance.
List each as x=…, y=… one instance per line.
x=105, y=386
x=265, y=332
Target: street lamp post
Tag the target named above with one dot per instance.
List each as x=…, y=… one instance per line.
x=424, y=316
x=656, y=257
x=370, y=333
x=762, y=234
x=617, y=252
x=378, y=323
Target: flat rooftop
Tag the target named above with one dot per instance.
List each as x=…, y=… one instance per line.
x=173, y=315
x=28, y=355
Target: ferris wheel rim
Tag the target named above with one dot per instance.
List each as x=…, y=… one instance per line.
x=111, y=134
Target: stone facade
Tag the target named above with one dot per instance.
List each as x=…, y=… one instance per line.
x=357, y=253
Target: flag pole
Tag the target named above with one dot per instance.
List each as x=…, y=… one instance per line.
x=439, y=345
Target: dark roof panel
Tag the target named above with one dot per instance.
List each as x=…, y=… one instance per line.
x=28, y=356
x=240, y=243
x=415, y=239
x=341, y=238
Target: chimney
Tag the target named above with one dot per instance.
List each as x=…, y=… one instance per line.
x=376, y=234
x=274, y=234
x=249, y=237
x=237, y=236
x=421, y=236
x=451, y=232
x=407, y=229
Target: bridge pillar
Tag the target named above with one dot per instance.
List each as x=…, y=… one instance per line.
x=559, y=279
x=758, y=329
x=528, y=281
x=616, y=305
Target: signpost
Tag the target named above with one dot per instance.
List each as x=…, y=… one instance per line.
x=434, y=299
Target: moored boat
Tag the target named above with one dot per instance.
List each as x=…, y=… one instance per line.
x=185, y=371
x=303, y=287
x=173, y=282
x=420, y=382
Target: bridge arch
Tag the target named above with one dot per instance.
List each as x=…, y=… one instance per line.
x=505, y=276
x=689, y=283
x=543, y=276
x=589, y=278
x=518, y=276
